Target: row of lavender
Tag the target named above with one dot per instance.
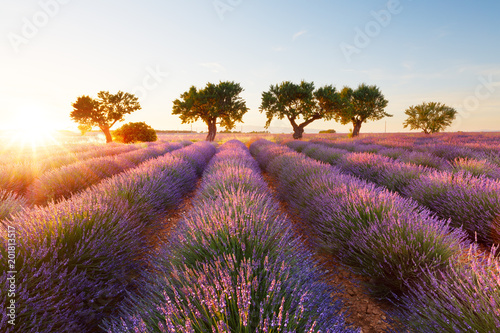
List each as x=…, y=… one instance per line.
x=14, y=153
x=62, y=182
x=76, y=260
x=471, y=202
x=488, y=143
x=437, y=279
x=450, y=145
x=440, y=157
x=233, y=264
x=17, y=176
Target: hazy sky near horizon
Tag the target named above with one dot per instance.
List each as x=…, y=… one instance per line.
x=56, y=50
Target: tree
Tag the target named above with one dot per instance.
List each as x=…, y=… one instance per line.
x=360, y=105
x=213, y=103
x=105, y=111
x=84, y=128
x=328, y=131
x=430, y=117
x=295, y=101
x=135, y=132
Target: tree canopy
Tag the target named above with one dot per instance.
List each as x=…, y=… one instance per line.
x=105, y=111
x=135, y=132
x=360, y=105
x=216, y=104
x=430, y=117
x=295, y=101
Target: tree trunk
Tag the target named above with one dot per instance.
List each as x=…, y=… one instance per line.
x=356, y=128
x=107, y=133
x=297, y=132
x=212, y=130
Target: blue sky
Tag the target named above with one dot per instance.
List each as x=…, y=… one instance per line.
x=56, y=50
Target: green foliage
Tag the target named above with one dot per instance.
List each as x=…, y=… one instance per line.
x=135, y=132
x=327, y=131
x=83, y=128
x=104, y=111
x=294, y=101
x=360, y=105
x=430, y=117
x=210, y=104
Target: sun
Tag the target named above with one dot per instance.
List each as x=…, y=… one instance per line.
x=35, y=134
x=32, y=126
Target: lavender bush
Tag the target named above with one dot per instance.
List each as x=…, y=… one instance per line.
x=10, y=203
x=18, y=176
x=233, y=265
x=376, y=168
x=425, y=159
x=77, y=258
x=476, y=167
x=463, y=298
x=63, y=182
x=471, y=202
x=377, y=233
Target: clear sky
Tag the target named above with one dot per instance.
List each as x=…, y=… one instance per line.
x=53, y=51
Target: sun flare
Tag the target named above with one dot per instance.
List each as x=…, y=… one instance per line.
x=32, y=126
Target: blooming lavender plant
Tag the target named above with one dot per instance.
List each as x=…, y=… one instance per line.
x=63, y=182
x=233, y=265
x=10, y=203
x=463, y=298
x=376, y=168
x=77, y=258
x=476, y=167
x=376, y=232
x=471, y=202
x=18, y=176
x=425, y=159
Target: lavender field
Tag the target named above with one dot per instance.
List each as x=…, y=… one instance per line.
x=253, y=234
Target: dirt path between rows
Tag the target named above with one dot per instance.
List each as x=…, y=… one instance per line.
x=363, y=310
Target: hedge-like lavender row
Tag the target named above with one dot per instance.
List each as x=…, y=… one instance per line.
x=63, y=182
x=14, y=153
x=463, y=298
x=446, y=151
x=75, y=260
x=471, y=202
x=233, y=264
x=376, y=232
x=422, y=158
x=378, y=169
x=445, y=158
x=10, y=203
x=18, y=176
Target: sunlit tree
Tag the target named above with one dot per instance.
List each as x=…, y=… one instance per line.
x=216, y=104
x=430, y=117
x=105, y=111
x=135, y=132
x=296, y=101
x=360, y=105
